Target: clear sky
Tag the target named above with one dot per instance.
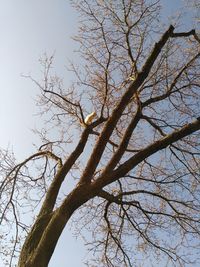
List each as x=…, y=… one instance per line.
x=28, y=29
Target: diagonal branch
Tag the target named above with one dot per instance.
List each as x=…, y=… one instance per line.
x=148, y=151
x=69, y=102
x=46, y=214
x=53, y=190
x=124, y=143
x=112, y=121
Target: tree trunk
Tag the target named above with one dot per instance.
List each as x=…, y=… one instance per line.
x=41, y=242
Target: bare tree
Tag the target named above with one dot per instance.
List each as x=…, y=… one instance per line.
x=134, y=167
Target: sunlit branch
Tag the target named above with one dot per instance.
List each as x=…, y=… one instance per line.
x=124, y=168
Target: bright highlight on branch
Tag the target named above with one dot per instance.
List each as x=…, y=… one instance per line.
x=89, y=118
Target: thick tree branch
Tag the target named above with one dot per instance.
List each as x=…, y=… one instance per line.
x=148, y=151
x=49, y=238
x=112, y=121
x=53, y=190
x=124, y=143
x=46, y=211
x=157, y=146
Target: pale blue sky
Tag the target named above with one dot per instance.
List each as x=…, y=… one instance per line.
x=28, y=29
